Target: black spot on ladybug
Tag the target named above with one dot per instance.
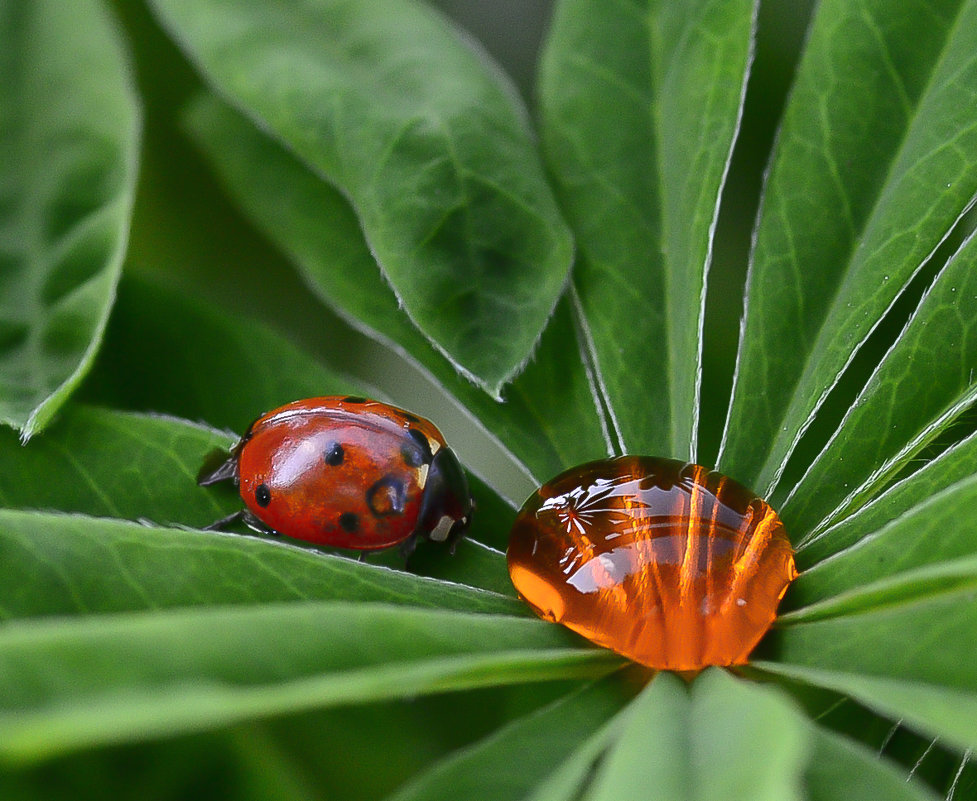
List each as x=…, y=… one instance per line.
x=410, y=418
x=354, y=399
x=421, y=441
x=262, y=495
x=387, y=496
x=334, y=454
x=349, y=521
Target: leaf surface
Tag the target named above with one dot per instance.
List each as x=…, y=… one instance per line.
x=123, y=678
x=841, y=769
x=56, y=564
x=548, y=421
x=867, y=179
x=930, y=709
x=926, y=380
x=901, y=646
x=954, y=464
x=724, y=738
x=69, y=148
x=509, y=764
x=636, y=97
x=937, y=530
x=75, y=466
x=426, y=140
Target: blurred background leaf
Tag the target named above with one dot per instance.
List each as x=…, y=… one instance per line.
x=69, y=152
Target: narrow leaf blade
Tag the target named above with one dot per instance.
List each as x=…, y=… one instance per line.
x=725, y=739
x=924, y=382
x=929, y=709
x=635, y=98
x=902, y=646
x=951, y=466
x=129, y=677
x=937, y=530
x=75, y=565
x=862, y=188
x=840, y=769
x=499, y=768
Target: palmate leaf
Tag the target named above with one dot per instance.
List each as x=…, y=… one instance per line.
x=425, y=139
x=722, y=738
x=58, y=564
x=69, y=145
x=640, y=104
x=548, y=422
x=900, y=645
x=902, y=499
x=117, y=678
x=510, y=763
x=924, y=382
x=236, y=655
x=938, y=529
x=868, y=177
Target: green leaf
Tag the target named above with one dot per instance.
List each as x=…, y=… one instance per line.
x=512, y=761
x=167, y=352
x=74, y=684
x=577, y=770
x=902, y=646
x=868, y=177
x=312, y=223
x=244, y=762
x=908, y=586
x=427, y=141
x=636, y=97
x=69, y=147
x=725, y=739
x=153, y=326
x=205, y=352
x=115, y=464
x=924, y=382
x=931, y=709
x=900, y=499
x=841, y=769
x=939, y=529
x=56, y=564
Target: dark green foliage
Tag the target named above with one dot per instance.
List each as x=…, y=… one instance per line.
x=211, y=207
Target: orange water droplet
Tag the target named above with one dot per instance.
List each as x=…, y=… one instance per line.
x=667, y=563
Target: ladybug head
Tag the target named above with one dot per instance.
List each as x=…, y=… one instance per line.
x=447, y=505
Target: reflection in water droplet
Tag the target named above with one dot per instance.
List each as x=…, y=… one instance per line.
x=667, y=563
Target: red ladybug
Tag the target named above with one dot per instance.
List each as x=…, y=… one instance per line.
x=347, y=472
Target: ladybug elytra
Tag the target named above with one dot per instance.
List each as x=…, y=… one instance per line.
x=347, y=472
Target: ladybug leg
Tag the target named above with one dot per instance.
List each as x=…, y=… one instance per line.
x=407, y=547
x=224, y=522
x=457, y=533
x=219, y=466
x=255, y=524
x=361, y=557
x=243, y=516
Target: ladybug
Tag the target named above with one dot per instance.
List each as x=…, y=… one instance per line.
x=347, y=472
